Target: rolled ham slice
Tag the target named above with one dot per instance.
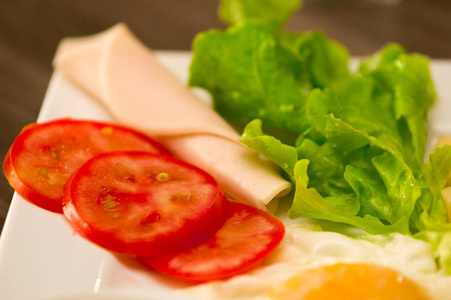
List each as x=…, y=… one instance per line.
x=115, y=68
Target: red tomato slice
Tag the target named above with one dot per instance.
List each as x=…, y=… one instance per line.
x=44, y=155
x=145, y=204
x=247, y=237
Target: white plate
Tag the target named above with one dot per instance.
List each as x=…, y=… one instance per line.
x=42, y=258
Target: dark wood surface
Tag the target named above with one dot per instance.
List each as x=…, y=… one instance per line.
x=31, y=29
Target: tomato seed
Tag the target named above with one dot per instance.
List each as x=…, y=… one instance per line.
x=44, y=172
x=106, y=130
x=108, y=202
x=54, y=154
x=110, y=205
x=163, y=176
x=115, y=215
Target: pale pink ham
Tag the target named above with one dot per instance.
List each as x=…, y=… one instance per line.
x=120, y=72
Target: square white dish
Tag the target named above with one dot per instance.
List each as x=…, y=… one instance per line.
x=42, y=258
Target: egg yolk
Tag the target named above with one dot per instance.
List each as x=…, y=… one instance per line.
x=349, y=281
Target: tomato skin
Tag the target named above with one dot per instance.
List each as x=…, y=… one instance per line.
x=32, y=155
x=24, y=190
x=175, y=224
x=247, y=237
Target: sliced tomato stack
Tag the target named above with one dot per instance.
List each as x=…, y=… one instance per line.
x=123, y=191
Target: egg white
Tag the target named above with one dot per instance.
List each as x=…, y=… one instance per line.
x=306, y=247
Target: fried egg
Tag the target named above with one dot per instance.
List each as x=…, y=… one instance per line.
x=315, y=264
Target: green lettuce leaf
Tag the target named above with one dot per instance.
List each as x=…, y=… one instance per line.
x=283, y=155
x=407, y=78
x=325, y=59
x=430, y=212
x=270, y=13
x=326, y=168
x=379, y=201
x=343, y=209
x=254, y=77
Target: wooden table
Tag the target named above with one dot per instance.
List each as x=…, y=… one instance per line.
x=31, y=29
